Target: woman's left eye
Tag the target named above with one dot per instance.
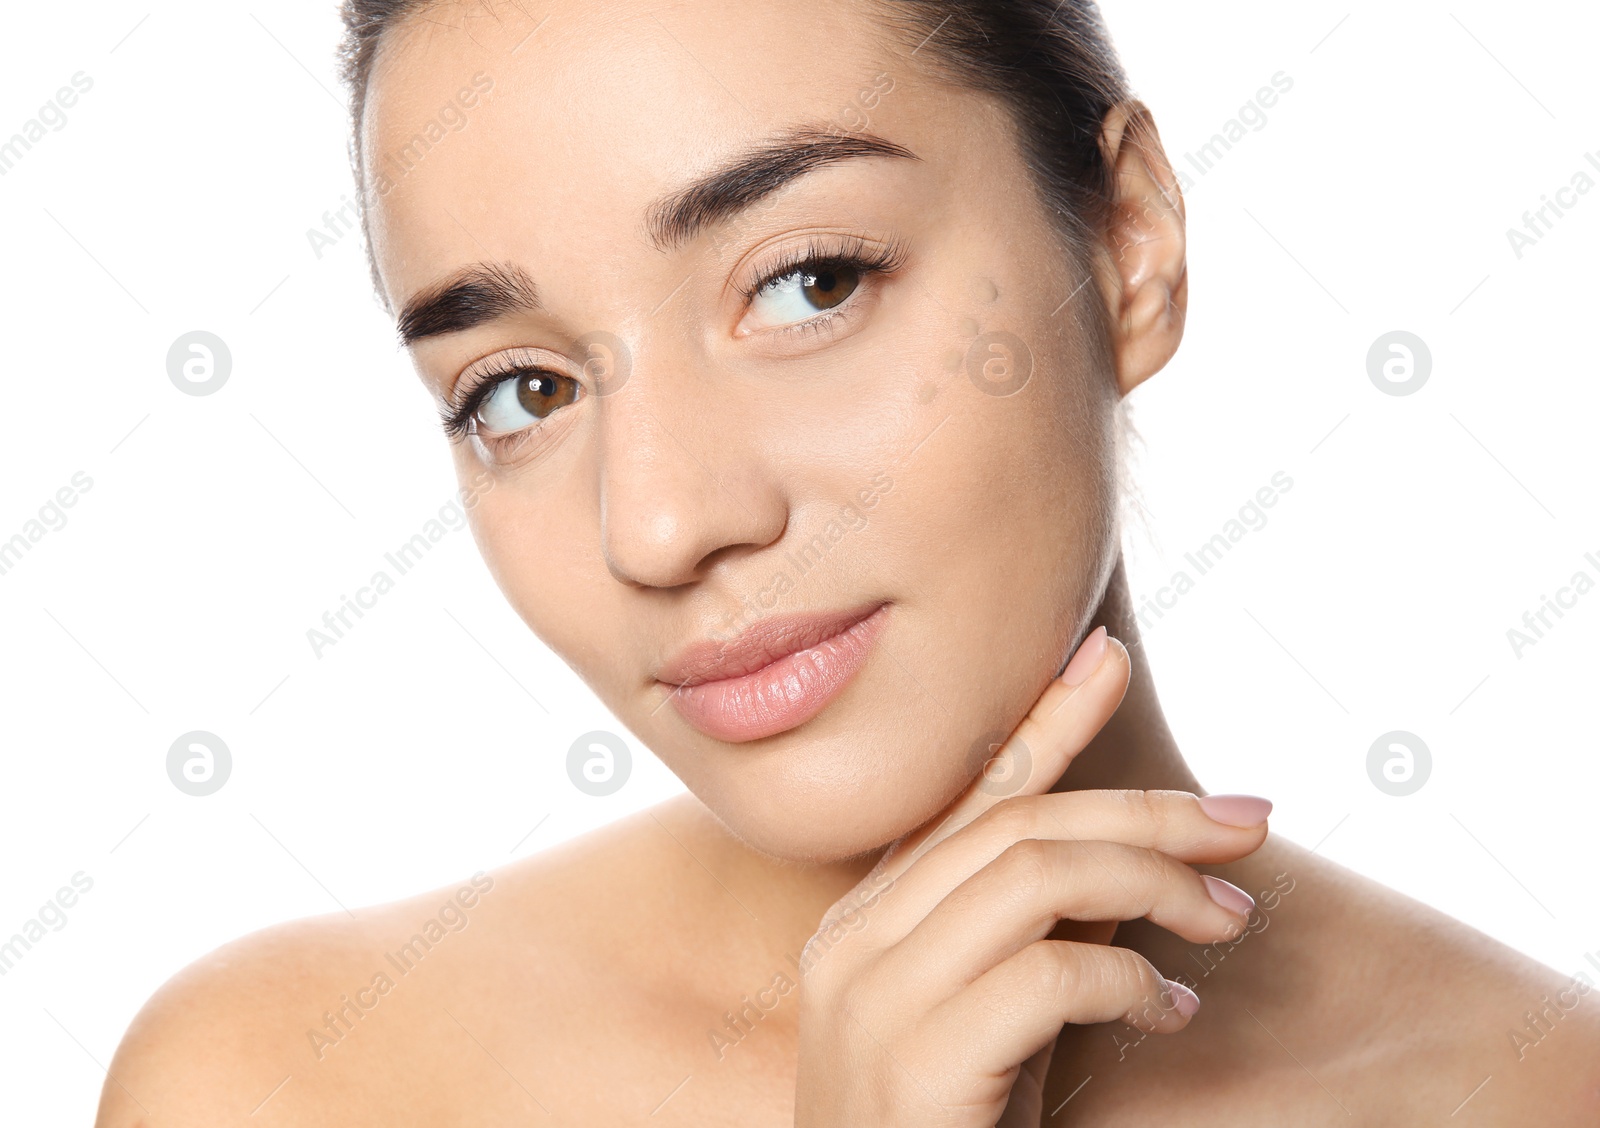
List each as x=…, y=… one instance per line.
x=803, y=293
x=523, y=400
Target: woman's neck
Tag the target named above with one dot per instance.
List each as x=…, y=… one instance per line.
x=1135, y=749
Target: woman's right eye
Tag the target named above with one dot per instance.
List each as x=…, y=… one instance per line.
x=803, y=293
x=525, y=399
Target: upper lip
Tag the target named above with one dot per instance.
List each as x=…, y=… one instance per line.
x=758, y=645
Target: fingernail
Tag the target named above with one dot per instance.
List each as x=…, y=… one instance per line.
x=1083, y=663
x=1185, y=1001
x=1236, y=810
x=1230, y=897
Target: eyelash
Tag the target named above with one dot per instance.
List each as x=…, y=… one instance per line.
x=852, y=251
x=869, y=260
x=457, y=418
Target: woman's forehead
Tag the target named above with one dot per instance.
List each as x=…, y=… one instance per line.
x=624, y=73
x=585, y=114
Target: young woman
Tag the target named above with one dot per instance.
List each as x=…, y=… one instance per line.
x=782, y=348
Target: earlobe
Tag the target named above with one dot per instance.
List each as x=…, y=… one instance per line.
x=1145, y=281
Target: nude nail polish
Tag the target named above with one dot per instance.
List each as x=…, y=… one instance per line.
x=1236, y=810
x=1083, y=663
x=1229, y=896
x=1184, y=1001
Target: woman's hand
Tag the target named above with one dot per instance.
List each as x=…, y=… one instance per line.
x=932, y=995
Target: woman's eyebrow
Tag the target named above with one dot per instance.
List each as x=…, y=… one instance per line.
x=679, y=216
x=484, y=291
x=471, y=296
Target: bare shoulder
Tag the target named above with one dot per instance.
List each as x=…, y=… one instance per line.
x=1516, y=1034
x=347, y=1013
x=1347, y=1002
x=1451, y=1021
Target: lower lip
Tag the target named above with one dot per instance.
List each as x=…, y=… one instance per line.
x=782, y=695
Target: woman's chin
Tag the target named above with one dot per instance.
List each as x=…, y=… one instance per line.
x=825, y=826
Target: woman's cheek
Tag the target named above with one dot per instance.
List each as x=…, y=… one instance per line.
x=535, y=553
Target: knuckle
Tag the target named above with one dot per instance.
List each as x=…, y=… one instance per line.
x=1152, y=875
x=1137, y=973
x=1046, y=971
x=1068, y=975
x=820, y=981
x=1054, y=971
x=1145, y=986
x=1155, y=867
x=1116, y=970
x=1026, y=866
x=1077, y=863
x=1144, y=810
x=1008, y=820
x=1131, y=980
x=858, y=997
x=829, y=962
x=1156, y=812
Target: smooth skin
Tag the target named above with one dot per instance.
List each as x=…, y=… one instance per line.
x=1004, y=958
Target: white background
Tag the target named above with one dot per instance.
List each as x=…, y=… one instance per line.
x=431, y=741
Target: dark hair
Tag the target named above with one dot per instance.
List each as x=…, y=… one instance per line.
x=1050, y=62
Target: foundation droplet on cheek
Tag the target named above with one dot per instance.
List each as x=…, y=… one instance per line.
x=987, y=290
x=952, y=360
x=969, y=327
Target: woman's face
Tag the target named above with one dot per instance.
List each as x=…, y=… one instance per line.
x=804, y=454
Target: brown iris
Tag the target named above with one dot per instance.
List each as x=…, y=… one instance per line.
x=827, y=288
x=540, y=393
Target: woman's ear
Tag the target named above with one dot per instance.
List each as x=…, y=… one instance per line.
x=1144, y=275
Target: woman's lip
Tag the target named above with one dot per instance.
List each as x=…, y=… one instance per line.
x=783, y=694
x=760, y=644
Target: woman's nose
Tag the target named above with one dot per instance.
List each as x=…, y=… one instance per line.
x=682, y=483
